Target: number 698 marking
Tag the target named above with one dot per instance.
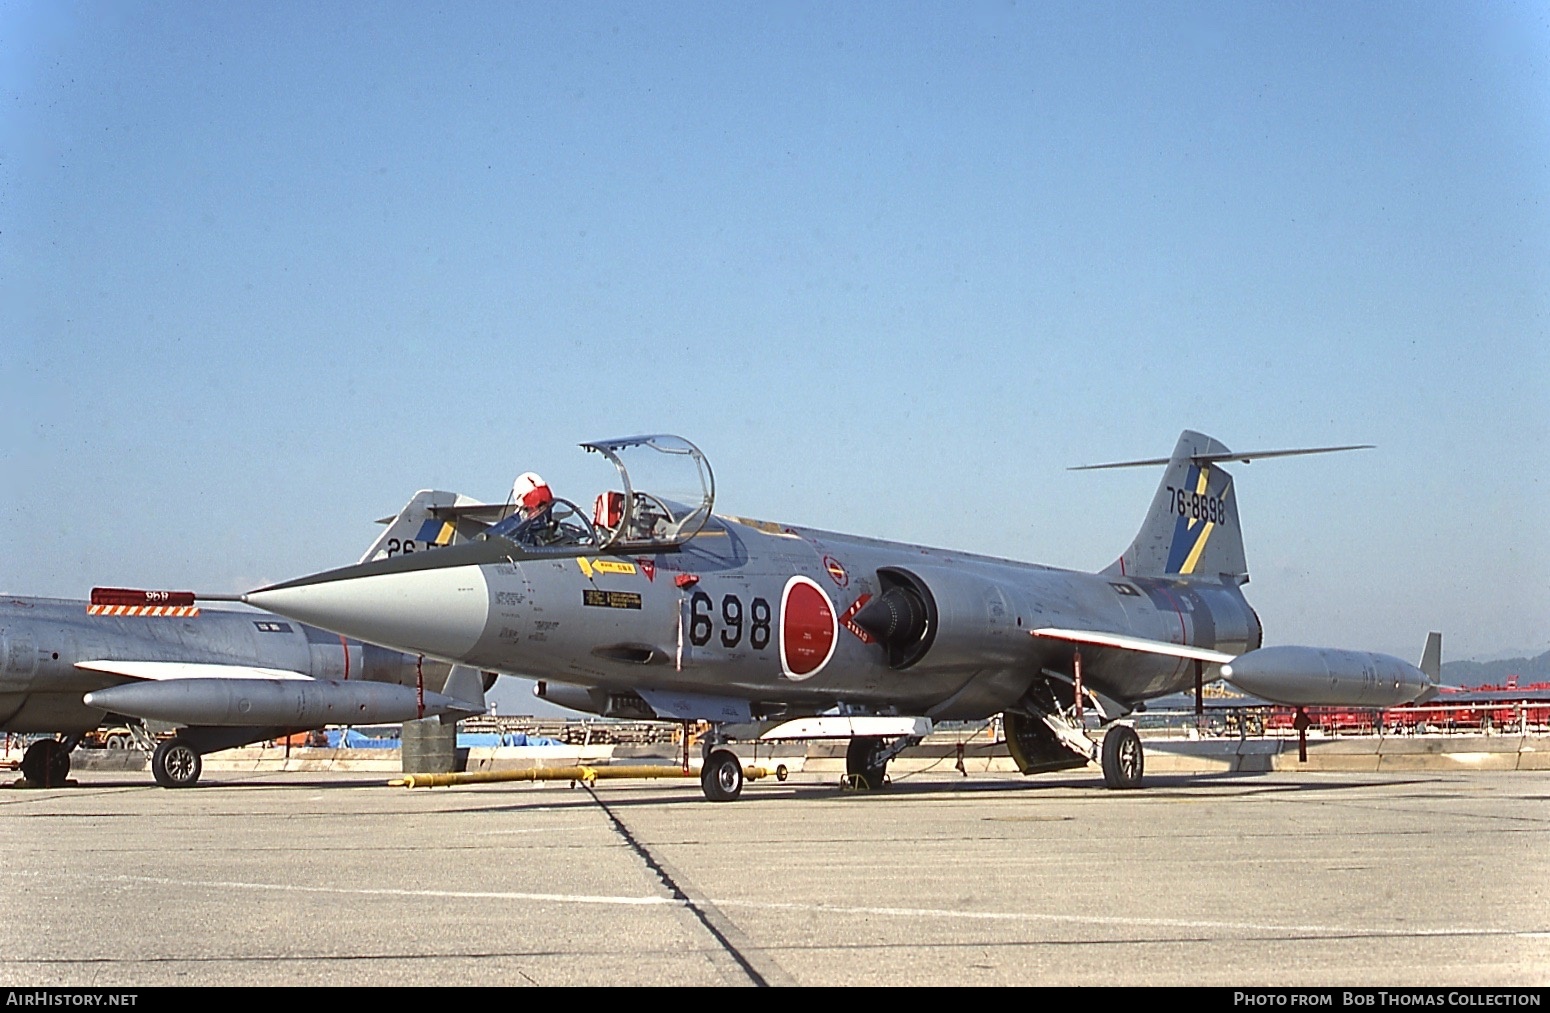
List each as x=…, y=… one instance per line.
x=733, y=622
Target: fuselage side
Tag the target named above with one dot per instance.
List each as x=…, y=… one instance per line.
x=762, y=612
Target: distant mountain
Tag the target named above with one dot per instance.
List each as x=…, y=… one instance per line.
x=1512, y=654
x=1476, y=673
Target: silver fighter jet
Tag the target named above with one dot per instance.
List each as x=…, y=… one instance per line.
x=649, y=605
x=223, y=678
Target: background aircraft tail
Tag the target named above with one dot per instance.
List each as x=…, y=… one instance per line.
x=1431, y=665
x=1192, y=527
x=431, y=520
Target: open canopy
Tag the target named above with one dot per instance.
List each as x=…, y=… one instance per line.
x=667, y=495
x=664, y=497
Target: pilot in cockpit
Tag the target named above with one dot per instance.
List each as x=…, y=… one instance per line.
x=531, y=495
x=532, y=522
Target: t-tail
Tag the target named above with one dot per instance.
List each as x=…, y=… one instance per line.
x=1192, y=527
x=433, y=519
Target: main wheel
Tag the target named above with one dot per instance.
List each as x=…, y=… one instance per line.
x=721, y=777
x=1123, y=761
x=862, y=768
x=176, y=764
x=46, y=763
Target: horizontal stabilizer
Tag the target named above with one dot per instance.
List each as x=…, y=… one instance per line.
x=1244, y=457
x=1136, y=644
x=487, y=513
x=162, y=670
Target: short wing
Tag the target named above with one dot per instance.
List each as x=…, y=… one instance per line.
x=161, y=670
x=1135, y=644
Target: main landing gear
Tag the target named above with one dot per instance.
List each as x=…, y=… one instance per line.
x=176, y=764
x=46, y=763
x=866, y=768
x=866, y=760
x=1043, y=738
x=1123, y=762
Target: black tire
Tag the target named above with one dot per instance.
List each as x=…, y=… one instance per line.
x=721, y=777
x=46, y=764
x=862, y=771
x=1123, y=760
x=176, y=764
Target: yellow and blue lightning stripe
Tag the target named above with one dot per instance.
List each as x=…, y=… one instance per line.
x=1191, y=533
x=437, y=533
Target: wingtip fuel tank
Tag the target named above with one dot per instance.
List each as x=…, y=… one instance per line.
x=1320, y=676
x=263, y=702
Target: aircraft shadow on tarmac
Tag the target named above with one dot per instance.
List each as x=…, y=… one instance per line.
x=1168, y=788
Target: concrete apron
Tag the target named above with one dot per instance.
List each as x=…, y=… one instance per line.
x=1163, y=756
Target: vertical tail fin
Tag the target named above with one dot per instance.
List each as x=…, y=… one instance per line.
x=1431, y=667
x=431, y=520
x=1192, y=526
x=1431, y=657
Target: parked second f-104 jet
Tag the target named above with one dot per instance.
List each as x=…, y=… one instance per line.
x=650, y=605
x=223, y=678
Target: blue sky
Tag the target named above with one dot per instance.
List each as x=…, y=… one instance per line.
x=266, y=269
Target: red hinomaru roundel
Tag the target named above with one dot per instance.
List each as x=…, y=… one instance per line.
x=809, y=628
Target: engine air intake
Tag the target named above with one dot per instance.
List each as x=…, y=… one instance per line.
x=902, y=617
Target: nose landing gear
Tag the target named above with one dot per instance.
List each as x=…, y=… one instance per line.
x=721, y=778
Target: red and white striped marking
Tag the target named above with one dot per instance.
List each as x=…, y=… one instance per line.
x=846, y=620
x=142, y=610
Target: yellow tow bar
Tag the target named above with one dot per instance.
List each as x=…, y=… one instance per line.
x=586, y=775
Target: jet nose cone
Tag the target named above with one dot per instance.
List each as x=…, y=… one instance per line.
x=440, y=612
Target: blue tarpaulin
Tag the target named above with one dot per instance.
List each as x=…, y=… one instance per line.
x=349, y=738
x=467, y=740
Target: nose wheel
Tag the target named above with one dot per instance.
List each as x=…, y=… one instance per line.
x=721, y=778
